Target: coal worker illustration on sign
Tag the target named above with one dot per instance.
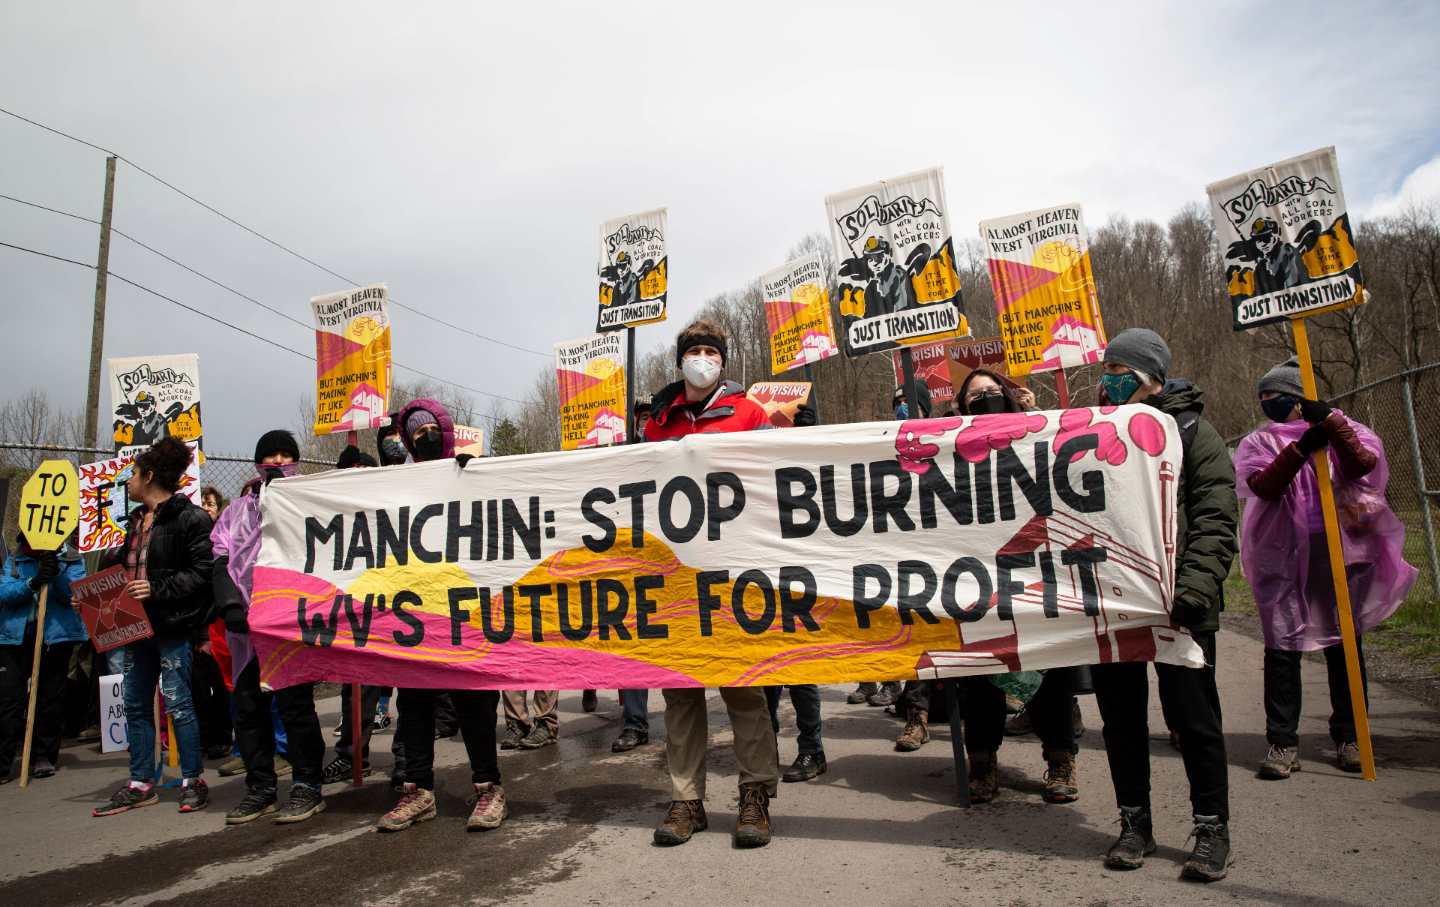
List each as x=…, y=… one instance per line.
x=625, y=280
x=888, y=287
x=1277, y=263
x=150, y=425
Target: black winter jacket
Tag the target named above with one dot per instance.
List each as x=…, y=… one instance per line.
x=178, y=566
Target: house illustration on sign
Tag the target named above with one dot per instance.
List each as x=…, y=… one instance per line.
x=1072, y=343
x=367, y=407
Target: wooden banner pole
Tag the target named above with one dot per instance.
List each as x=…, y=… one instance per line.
x=34, y=687
x=1337, y=564
x=1062, y=388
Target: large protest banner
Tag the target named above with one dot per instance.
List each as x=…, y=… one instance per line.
x=1045, y=297
x=898, y=284
x=932, y=366
x=781, y=400
x=591, y=375
x=1285, y=238
x=835, y=553
x=634, y=270
x=352, y=360
x=155, y=397
x=797, y=314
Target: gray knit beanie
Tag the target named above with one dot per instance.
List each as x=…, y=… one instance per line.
x=1282, y=379
x=1141, y=349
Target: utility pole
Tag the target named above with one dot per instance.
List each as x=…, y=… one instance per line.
x=97, y=333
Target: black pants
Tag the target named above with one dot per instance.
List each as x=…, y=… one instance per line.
x=212, y=701
x=255, y=730
x=369, y=700
x=476, y=710
x=1282, y=695
x=1191, y=704
x=1049, y=711
x=15, y=664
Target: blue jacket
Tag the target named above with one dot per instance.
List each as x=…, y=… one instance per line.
x=18, y=603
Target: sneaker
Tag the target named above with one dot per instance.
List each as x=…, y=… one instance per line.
x=90, y=734
x=684, y=819
x=234, y=767
x=127, y=798
x=1060, y=778
x=805, y=767
x=341, y=769
x=380, y=722
x=416, y=805
x=282, y=766
x=1018, y=725
x=752, y=826
x=514, y=733
x=488, y=807
x=253, y=805
x=1279, y=762
x=44, y=768
x=588, y=701
x=984, y=777
x=338, y=730
x=194, y=795
x=305, y=801
x=916, y=733
x=1013, y=705
x=629, y=739
x=1347, y=757
x=1136, y=841
x=861, y=693
x=886, y=695
x=540, y=735
x=1210, y=859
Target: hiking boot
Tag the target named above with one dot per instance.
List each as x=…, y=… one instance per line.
x=514, y=733
x=588, y=700
x=253, y=805
x=752, y=826
x=305, y=801
x=861, y=693
x=984, y=777
x=1347, y=757
x=1060, y=781
x=916, y=733
x=194, y=795
x=489, y=807
x=341, y=769
x=629, y=739
x=282, y=766
x=1279, y=762
x=886, y=695
x=805, y=767
x=1136, y=841
x=44, y=768
x=416, y=805
x=540, y=735
x=1209, y=860
x=684, y=819
x=1018, y=725
x=127, y=798
x=234, y=767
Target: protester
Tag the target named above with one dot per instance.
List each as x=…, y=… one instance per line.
x=208, y=685
x=389, y=446
x=26, y=572
x=1135, y=366
x=1287, y=558
x=702, y=402
x=167, y=555
x=237, y=545
x=530, y=729
x=428, y=434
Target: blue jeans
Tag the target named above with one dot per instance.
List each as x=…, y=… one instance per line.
x=806, y=699
x=167, y=660
x=635, y=706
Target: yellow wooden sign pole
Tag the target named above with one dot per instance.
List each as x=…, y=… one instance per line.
x=34, y=687
x=1337, y=564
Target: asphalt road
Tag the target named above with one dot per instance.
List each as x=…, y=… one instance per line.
x=879, y=828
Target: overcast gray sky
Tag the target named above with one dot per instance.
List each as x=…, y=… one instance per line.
x=465, y=153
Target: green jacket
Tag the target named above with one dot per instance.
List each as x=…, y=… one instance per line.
x=1205, y=540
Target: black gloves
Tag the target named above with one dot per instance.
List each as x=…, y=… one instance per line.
x=229, y=601
x=48, y=567
x=234, y=617
x=804, y=416
x=1186, y=613
x=1314, y=411
x=1314, y=439
x=463, y=458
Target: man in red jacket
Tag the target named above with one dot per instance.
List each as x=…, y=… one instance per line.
x=701, y=402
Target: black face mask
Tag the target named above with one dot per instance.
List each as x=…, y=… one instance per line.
x=988, y=404
x=1278, y=408
x=429, y=446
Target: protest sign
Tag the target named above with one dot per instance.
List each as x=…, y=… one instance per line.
x=932, y=366
x=897, y=280
x=50, y=505
x=114, y=732
x=1285, y=240
x=797, y=313
x=591, y=374
x=836, y=553
x=634, y=271
x=352, y=360
x=470, y=440
x=780, y=400
x=105, y=501
x=111, y=617
x=986, y=353
x=1045, y=297
x=155, y=397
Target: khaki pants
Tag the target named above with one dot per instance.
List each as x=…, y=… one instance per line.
x=687, y=737
x=543, y=713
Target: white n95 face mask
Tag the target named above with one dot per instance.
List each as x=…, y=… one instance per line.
x=699, y=372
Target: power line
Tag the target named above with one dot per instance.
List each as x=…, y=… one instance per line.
x=256, y=233
x=68, y=261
